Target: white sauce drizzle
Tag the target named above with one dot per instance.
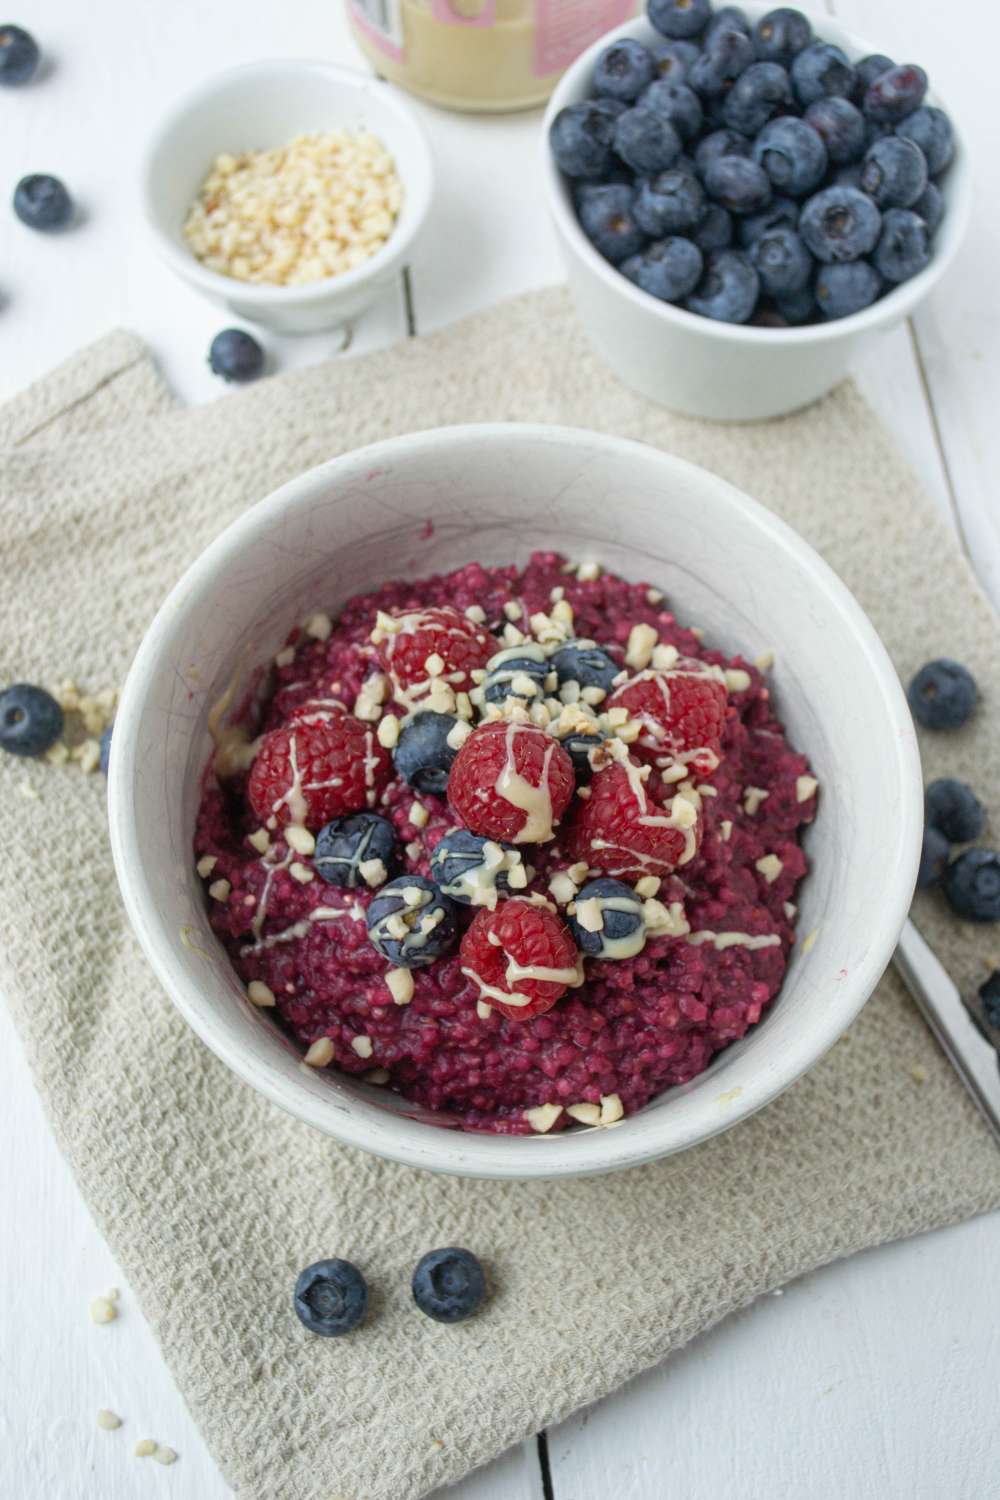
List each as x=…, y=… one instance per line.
x=721, y=940
x=534, y=801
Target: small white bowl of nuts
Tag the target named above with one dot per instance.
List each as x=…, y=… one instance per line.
x=290, y=192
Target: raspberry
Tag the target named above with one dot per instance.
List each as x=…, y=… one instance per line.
x=523, y=951
x=624, y=828
x=682, y=712
x=406, y=642
x=314, y=770
x=512, y=782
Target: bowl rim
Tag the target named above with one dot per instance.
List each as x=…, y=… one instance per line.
x=418, y=186
x=884, y=313
x=414, y=1143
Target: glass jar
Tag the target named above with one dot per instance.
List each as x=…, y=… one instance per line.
x=484, y=55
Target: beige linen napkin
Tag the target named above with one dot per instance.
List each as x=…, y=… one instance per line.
x=213, y=1199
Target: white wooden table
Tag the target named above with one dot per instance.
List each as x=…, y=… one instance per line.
x=875, y=1378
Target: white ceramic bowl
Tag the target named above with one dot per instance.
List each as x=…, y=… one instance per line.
x=724, y=371
x=266, y=104
x=432, y=501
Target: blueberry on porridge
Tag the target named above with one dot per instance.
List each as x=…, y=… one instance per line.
x=513, y=843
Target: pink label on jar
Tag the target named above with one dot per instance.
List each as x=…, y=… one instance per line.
x=381, y=23
x=565, y=28
x=445, y=12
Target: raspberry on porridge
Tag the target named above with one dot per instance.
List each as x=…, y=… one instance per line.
x=514, y=841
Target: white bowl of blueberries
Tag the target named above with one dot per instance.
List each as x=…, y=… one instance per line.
x=742, y=196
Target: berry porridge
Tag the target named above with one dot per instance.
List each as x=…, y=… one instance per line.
x=513, y=843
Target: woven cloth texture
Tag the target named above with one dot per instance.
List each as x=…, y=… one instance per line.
x=213, y=1199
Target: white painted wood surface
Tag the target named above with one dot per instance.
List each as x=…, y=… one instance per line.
x=875, y=1378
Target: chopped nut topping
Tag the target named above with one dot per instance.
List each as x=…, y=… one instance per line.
x=387, y=732
x=770, y=867
x=725, y=830
x=475, y=613
x=300, y=839
x=318, y=626
x=654, y=596
x=647, y=886
x=765, y=661
x=261, y=840
x=419, y=815
x=737, y=681
x=362, y=1045
x=458, y=734
x=805, y=787
x=639, y=650
x=562, y=887
x=587, y=571
x=665, y=658
x=219, y=890
x=434, y=664
x=513, y=610
x=753, y=796
x=543, y=1117
x=373, y=872
x=400, y=982
x=483, y=1011
x=320, y=1053
x=259, y=993
x=206, y=865
x=612, y=1109
x=301, y=872
x=285, y=657
x=585, y=1114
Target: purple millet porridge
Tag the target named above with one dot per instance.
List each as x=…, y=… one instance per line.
x=637, y=1026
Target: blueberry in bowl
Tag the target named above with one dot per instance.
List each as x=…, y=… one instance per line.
x=771, y=112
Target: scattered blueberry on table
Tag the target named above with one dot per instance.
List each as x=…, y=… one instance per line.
x=330, y=1298
x=236, y=355
x=448, y=1284
x=942, y=694
x=953, y=808
x=42, y=202
x=723, y=131
x=105, y=760
x=971, y=884
x=18, y=55
x=989, y=994
x=30, y=720
x=934, y=855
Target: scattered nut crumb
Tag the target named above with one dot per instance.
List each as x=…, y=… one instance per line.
x=108, y=1420
x=145, y=1448
x=103, y=1310
x=164, y=1455
x=919, y=1073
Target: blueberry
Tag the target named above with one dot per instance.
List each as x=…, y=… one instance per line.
x=989, y=993
x=670, y=203
x=623, y=70
x=677, y=103
x=728, y=289
x=105, y=760
x=344, y=845
x=821, y=69
x=30, y=720
x=930, y=207
x=470, y=869
x=674, y=59
x=866, y=71
x=934, y=854
x=729, y=18
x=782, y=262
x=680, y=18
x=931, y=130
x=18, y=55
x=580, y=138
x=685, y=163
x=616, y=176
x=331, y=1297
x=582, y=750
x=904, y=247
x=448, y=1284
x=608, y=221
x=42, y=202
x=646, y=141
x=953, y=808
x=846, y=287
x=726, y=55
x=780, y=213
x=235, y=355
x=715, y=232
x=738, y=184
x=840, y=125
x=585, y=663
x=423, y=754
x=797, y=307
x=972, y=885
x=894, y=172
x=840, y=223
x=792, y=155
x=895, y=94
x=668, y=269
x=762, y=91
x=622, y=933
x=427, y=915
x=942, y=695
x=517, y=672
x=719, y=143
x=781, y=35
